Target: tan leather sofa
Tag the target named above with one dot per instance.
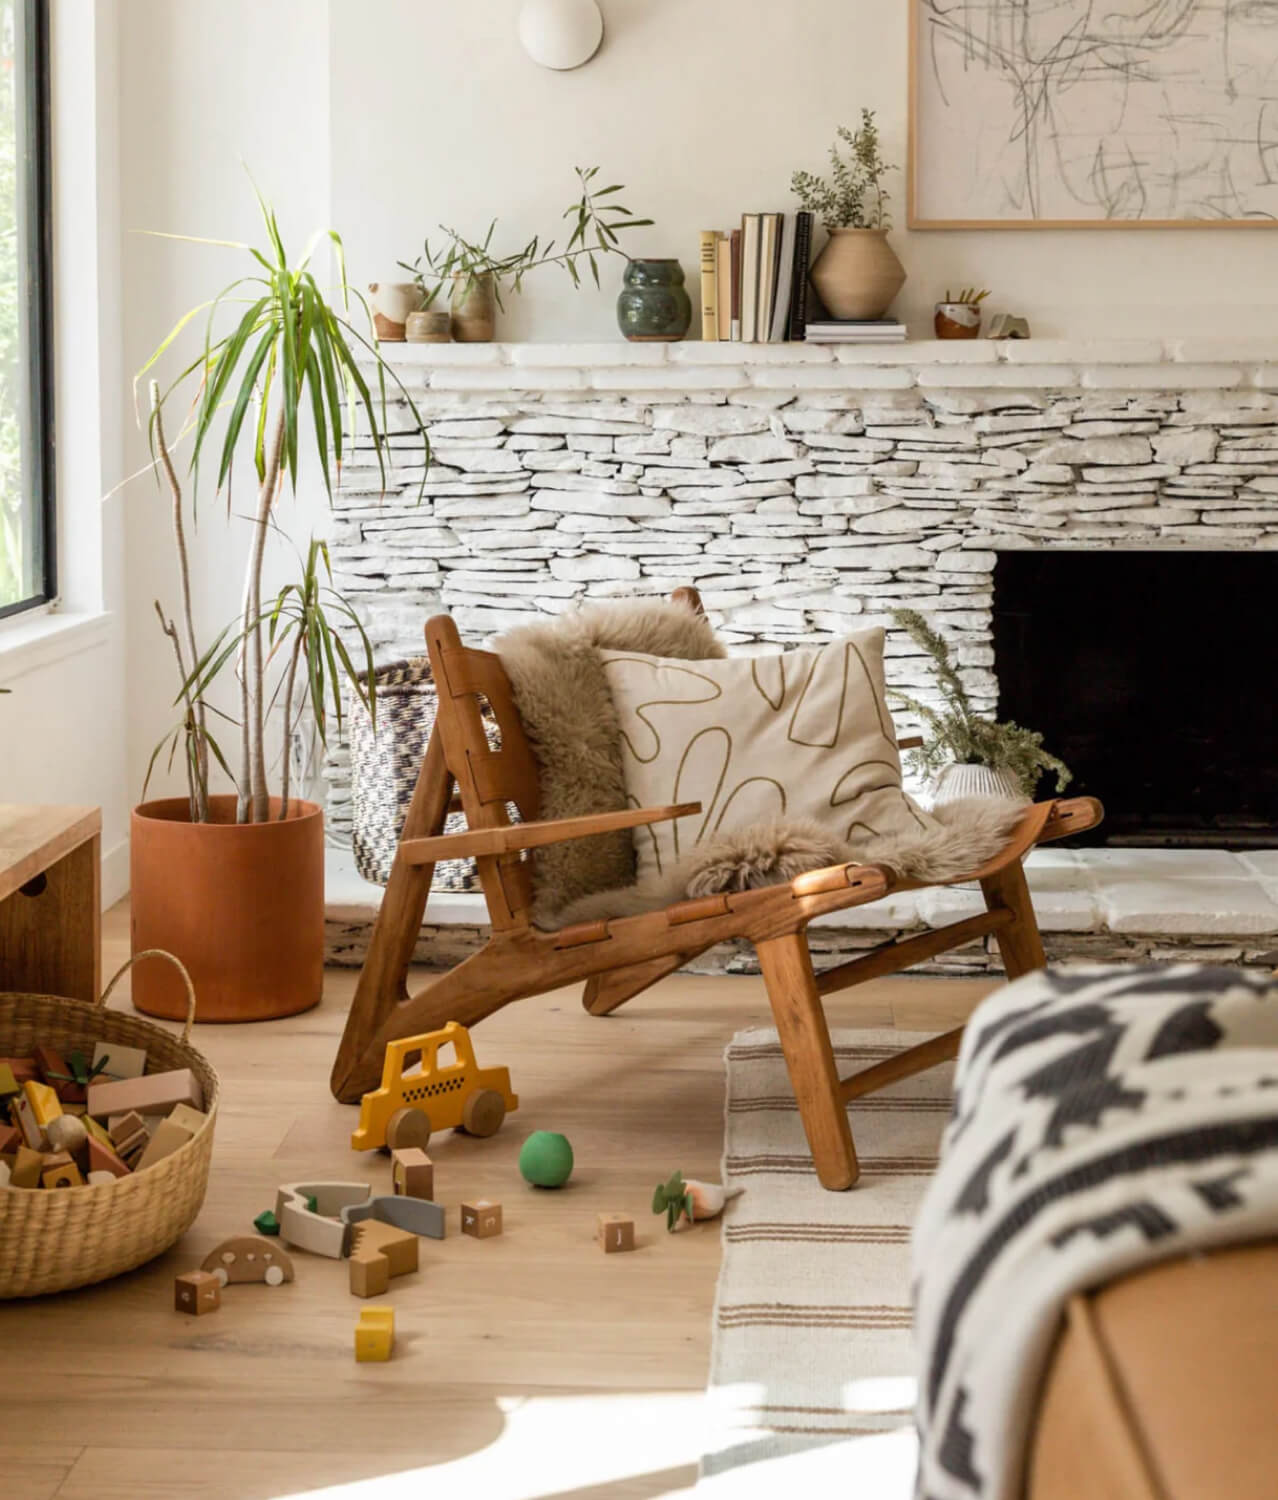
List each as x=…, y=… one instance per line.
x=1164, y=1386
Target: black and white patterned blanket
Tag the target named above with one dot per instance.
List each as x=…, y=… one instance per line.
x=1104, y=1118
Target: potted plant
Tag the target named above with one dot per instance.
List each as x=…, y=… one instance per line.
x=959, y=317
x=964, y=755
x=474, y=272
x=857, y=273
x=233, y=884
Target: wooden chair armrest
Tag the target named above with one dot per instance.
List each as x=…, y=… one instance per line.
x=510, y=838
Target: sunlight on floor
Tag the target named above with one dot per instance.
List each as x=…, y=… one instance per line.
x=881, y=1467
x=554, y=1444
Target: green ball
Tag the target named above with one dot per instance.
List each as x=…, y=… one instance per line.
x=545, y=1159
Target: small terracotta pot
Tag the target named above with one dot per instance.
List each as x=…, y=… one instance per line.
x=429, y=325
x=474, y=309
x=957, y=320
x=241, y=904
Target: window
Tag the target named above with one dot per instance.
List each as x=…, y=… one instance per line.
x=27, y=551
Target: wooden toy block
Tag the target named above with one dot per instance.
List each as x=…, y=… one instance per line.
x=154, y=1094
x=59, y=1171
x=103, y=1159
x=481, y=1219
x=24, y=1118
x=10, y=1139
x=55, y=1071
x=248, y=1257
x=374, y=1334
x=190, y=1119
x=128, y=1133
x=167, y=1139
x=322, y=1229
x=100, y=1179
x=26, y=1169
x=416, y=1215
x=8, y=1080
x=98, y=1133
x=378, y=1252
x=614, y=1232
x=197, y=1292
x=413, y=1173
x=5, y=1171
x=43, y=1100
x=121, y=1062
x=22, y=1068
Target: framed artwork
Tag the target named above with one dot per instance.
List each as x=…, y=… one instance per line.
x=1041, y=114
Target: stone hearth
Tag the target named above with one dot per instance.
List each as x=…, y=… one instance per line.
x=806, y=491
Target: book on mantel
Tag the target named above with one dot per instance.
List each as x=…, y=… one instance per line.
x=855, y=331
x=754, y=280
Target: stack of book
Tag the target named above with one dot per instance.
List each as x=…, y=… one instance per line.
x=855, y=331
x=754, y=280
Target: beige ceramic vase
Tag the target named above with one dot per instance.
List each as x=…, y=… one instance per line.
x=474, y=309
x=857, y=274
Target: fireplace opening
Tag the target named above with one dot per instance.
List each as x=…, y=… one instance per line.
x=1154, y=676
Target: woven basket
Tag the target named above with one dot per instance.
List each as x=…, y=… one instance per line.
x=51, y=1240
x=384, y=767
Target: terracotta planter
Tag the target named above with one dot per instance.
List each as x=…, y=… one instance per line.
x=474, y=309
x=242, y=905
x=857, y=274
x=392, y=302
x=957, y=320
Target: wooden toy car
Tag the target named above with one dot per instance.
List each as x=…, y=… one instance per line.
x=417, y=1096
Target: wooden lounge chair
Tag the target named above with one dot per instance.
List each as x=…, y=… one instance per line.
x=618, y=958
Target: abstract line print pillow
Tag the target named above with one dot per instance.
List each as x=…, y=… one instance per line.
x=804, y=734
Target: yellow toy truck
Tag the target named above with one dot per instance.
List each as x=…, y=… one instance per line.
x=417, y=1096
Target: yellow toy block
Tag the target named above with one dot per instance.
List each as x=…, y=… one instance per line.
x=44, y=1102
x=374, y=1334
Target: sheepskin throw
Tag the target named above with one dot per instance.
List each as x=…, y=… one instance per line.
x=558, y=683
x=801, y=735
x=1104, y=1119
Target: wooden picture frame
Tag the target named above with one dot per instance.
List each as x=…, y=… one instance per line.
x=918, y=215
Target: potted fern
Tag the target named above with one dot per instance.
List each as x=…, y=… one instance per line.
x=857, y=274
x=963, y=754
x=233, y=883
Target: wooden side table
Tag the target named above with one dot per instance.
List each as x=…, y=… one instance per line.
x=50, y=901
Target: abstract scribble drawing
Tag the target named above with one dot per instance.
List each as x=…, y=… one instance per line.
x=1095, y=111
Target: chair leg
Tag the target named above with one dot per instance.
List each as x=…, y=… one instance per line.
x=382, y=979
x=1019, y=942
x=605, y=992
x=809, y=1057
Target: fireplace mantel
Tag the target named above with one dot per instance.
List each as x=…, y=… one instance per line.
x=1203, y=363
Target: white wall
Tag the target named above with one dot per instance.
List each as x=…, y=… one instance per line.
x=703, y=108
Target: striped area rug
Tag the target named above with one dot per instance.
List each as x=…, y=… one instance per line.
x=812, y=1346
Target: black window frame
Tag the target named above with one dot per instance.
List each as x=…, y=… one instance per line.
x=35, y=183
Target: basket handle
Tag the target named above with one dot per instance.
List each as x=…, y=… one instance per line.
x=186, y=980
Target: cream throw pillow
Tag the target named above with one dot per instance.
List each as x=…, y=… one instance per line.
x=806, y=734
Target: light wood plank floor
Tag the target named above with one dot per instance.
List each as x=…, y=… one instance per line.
x=529, y=1365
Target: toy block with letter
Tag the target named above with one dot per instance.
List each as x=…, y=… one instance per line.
x=197, y=1292
x=615, y=1232
x=481, y=1219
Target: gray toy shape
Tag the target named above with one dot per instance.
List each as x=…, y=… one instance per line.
x=417, y=1215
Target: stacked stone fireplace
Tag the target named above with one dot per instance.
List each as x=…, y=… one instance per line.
x=806, y=492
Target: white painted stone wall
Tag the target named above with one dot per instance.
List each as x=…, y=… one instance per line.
x=804, y=490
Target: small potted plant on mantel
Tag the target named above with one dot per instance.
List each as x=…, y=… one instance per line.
x=233, y=884
x=857, y=273
x=964, y=755
x=475, y=272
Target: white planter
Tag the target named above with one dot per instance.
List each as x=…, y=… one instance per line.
x=955, y=782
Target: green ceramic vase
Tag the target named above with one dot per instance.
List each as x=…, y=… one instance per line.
x=654, y=304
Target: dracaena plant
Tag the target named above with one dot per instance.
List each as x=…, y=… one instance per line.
x=282, y=381
x=597, y=217
x=956, y=733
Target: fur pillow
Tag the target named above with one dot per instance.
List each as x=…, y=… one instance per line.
x=558, y=684
x=803, y=736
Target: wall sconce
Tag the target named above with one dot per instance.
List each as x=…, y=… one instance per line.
x=560, y=34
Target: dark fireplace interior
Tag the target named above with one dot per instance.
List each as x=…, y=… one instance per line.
x=1154, y=676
